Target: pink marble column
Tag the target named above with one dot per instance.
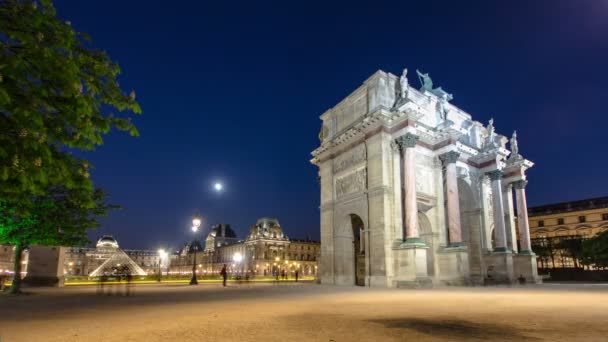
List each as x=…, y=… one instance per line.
x=407, y=143
x=453, y=205
x=398, y=234
x=522, y=217
x=500, y=234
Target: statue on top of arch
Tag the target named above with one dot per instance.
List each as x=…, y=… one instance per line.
x=514, y=148
x=426, y=84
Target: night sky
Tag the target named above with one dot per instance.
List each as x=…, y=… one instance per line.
x=233, y=92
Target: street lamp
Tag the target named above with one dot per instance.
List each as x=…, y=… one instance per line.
x=161, y=255
x=237, y=258
x=196, y=223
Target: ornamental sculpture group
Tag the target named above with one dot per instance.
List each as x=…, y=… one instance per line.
x=437, y=192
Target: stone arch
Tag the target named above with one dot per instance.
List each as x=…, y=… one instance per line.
x=426, y=235
x=349, y=251
x=471, y=227
x=467, y=204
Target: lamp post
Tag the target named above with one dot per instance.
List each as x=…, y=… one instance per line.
x=161, y=255
x=196, y=223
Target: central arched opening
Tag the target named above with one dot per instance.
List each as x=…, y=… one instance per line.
x=426, y=235
x=358, y=228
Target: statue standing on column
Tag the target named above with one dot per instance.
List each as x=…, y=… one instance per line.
x=491, y=132
x=404, y=84
x=442, y=106
x=490, y=142
x=514, y=147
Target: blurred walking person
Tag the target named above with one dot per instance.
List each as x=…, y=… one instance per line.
x=224, y=274
x=129, y=277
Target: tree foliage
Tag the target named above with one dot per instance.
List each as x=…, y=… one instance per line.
x=56, y=94
x=572, y=246
x=61, y=217
x=595, y=251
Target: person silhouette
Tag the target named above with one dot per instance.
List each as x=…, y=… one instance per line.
x=224, y=274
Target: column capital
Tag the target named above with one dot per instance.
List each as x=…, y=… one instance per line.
x=520, y=184
x=495, y=175
x=407, y=140
x=449, y=157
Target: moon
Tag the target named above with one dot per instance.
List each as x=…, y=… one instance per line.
x=218, y=186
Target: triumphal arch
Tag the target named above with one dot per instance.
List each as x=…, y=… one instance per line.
x=415, y=192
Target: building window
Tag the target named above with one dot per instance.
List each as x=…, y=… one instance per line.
x=582, y=219
x=605, y=217
x=541, y=223
x=560, y=221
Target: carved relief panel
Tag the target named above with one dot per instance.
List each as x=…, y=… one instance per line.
x=349, y=159
x=353, y=182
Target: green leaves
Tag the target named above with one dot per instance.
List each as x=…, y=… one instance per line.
x=56, y=95
x=57, y=90
x=595, y=251
x=4, y=98
x=59, y=217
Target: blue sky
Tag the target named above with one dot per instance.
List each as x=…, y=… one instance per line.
x=232, y=91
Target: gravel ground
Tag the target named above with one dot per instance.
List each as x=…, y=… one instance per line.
x=308, y=312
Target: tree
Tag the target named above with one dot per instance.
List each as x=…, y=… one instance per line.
x=540, y=246
x=595, y=251
x=572, y=246
x=57, y=219
x=57, y=95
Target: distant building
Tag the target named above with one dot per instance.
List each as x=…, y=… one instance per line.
x=220, y=235
x=107, y=257
x=584, y=218
x=265, y=251
x=7, y=260
x=553, y=224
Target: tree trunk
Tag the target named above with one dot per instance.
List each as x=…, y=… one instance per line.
x=16, y=285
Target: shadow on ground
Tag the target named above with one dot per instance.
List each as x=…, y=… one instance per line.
x=452, y=328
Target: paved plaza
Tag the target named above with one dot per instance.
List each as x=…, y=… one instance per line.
x=308, y=312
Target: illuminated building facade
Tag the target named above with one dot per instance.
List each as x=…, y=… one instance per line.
x=582, y=218
x=266, y=251
x=415, y=192
x=559, y=225
x=7, y=261
x=106, y=258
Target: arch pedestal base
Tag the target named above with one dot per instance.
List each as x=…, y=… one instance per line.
x=410, y=264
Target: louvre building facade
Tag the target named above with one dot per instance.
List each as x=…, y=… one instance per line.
x=265, y=251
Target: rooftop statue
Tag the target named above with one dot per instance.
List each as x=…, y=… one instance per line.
x=427, y=85
x=515, y=156
x=491, y=131
x=490, y=141
x=442, y=106
x=404, y=84
x=514, y=147
x=425, y=81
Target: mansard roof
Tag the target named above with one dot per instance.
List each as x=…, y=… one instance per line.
x=571, y=206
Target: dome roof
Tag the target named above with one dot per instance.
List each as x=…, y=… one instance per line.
x=107, y=241
x=266, y=228
x=267, y=222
